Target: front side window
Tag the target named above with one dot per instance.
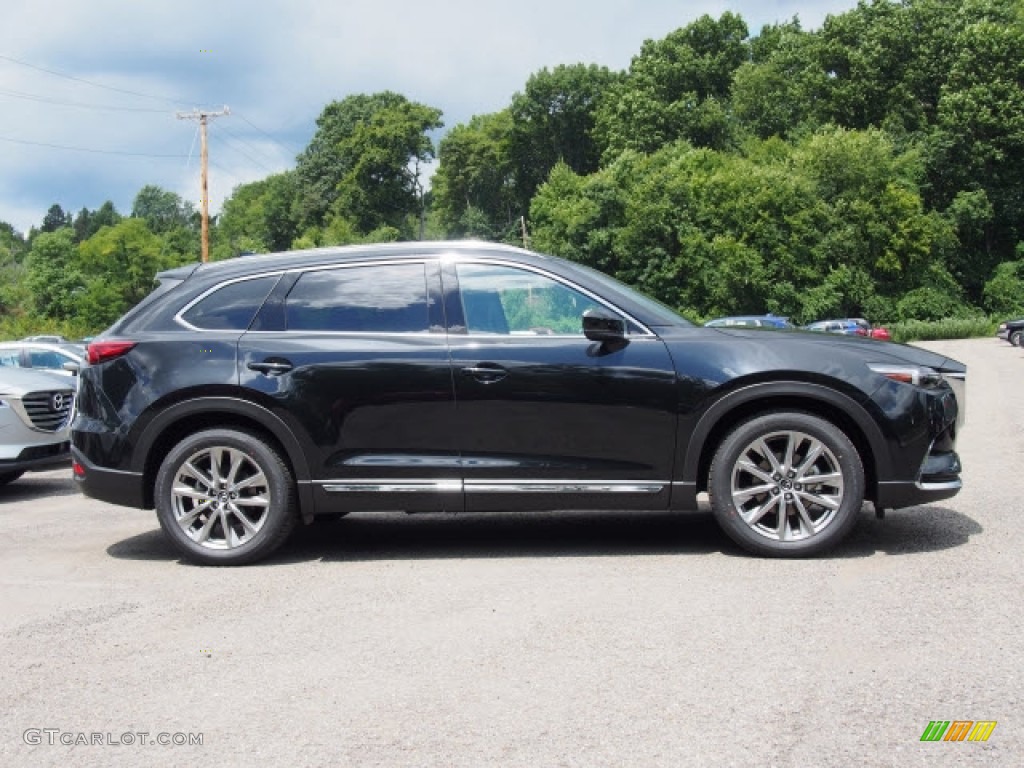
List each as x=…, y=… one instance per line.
x=386, y=298
x=507, y=300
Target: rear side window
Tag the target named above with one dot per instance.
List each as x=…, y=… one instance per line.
x=386, y=298
x=232, y=307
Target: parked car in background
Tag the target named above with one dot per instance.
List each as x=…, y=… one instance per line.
x=36, y=408
x=749, y=321
x=64, y=359
x=1012, y=331
x=851, y=326
x=872, y=332
x=846, y=327
x=47, y=339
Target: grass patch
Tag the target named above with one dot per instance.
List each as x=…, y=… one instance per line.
x=950, y=328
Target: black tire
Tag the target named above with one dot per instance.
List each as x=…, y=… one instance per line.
x=10, y=477
x=1015, y=338
x=747, y=498
x=193, y=512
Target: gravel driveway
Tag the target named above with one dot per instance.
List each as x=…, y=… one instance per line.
x=580, y=639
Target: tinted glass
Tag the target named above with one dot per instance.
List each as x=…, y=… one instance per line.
x=45, y=358
x=507, y=300
x=232, y=307
x=10, y=358
x=389, y=298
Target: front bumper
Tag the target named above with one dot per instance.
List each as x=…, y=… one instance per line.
x=39, y=457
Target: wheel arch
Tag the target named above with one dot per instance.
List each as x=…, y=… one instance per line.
x=758, y=399
x=190, y=416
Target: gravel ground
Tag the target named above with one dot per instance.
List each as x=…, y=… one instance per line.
x=580, y=639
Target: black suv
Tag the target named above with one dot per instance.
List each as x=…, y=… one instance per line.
x=245, y=395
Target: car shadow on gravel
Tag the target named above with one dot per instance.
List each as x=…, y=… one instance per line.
x=396, y=536
x=910, y=531
x=31, y=486
x=373, y=536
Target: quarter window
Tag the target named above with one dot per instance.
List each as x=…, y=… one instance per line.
x=232, y=307
x=506, y=300
x=389, y=298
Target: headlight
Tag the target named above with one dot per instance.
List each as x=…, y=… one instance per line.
x=918, y=375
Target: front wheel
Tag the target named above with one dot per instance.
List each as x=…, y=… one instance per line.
x=225, y=497
x=1015, y=338
x=786, y=485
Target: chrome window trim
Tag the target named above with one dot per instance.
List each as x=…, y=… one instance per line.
x=460, y=259
x=179, y=318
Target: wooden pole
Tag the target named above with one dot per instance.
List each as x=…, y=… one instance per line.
x=205, y=199
x=203, y=118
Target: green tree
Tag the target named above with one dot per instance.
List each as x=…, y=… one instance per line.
x=118, y=265
x=55, y=219
x=87, y=223
x=52, y=275
x=553, y=120
x=261, y=216
x=473, y=189
x=676, y=88
x=365, y=161
x=12, y=253
x=163, y=210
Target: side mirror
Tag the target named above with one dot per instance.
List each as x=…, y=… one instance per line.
x=71, y=366
x=602, y=325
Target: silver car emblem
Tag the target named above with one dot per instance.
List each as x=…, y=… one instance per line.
x=57, y=402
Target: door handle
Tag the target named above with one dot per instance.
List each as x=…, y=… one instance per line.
x=271, y=367
x=485, y=373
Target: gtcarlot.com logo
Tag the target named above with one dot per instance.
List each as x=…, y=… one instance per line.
x=51, y=737
x=958, y=730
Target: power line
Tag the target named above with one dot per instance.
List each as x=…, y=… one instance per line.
x=80, y=105
x=255, y=127
x=232, y=138
x=88, y=149
x=55, y=73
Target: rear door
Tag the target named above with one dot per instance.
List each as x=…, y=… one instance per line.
x=354, y=358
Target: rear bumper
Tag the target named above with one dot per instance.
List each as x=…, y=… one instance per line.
x=109, y=485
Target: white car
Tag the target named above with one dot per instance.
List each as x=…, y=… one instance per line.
x=36, y=408
x=65, y=359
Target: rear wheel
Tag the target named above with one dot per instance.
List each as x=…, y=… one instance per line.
x=10, y=477
x=786, y=485
x=225, y=497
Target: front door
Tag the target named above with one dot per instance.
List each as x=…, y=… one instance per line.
x=545, y=418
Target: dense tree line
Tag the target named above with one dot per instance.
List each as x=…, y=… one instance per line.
x=872, y=167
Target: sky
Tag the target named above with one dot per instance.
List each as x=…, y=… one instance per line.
x=89, y=92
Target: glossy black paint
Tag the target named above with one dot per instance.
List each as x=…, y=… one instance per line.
x=525, y=422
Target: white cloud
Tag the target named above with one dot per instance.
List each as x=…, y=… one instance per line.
x=277, y=64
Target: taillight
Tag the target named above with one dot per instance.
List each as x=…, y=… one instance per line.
x=102, y=351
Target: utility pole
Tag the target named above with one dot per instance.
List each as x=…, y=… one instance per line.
x=203, y=116
x=526, y=237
